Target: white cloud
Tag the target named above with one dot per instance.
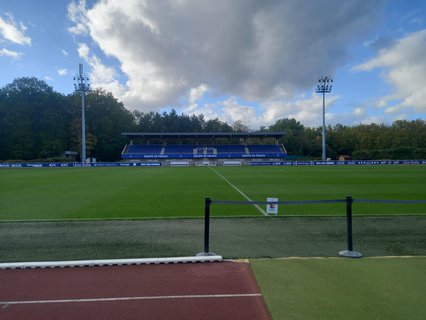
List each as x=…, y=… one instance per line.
x=13, y=32
x=10, y=53
x=83, y=51
x=259, y=51
x=65, y=53
x=100, y=75
x=62, y=71
x=307, y=110
x=77, y=15
x=403, y=66
x=359, y=111
x=196, y=94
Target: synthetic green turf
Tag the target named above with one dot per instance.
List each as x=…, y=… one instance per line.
x=338, y=288
x=104, y=193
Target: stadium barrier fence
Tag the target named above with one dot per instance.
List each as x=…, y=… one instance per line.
x=350, y=253
x=157, y=162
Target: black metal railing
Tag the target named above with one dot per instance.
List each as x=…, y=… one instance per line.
x=348, y=200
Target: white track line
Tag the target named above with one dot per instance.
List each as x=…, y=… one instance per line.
x=239, y=191
x=5, y=304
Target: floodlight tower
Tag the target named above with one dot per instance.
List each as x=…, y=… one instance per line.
x=324, y=86
x=82, y=85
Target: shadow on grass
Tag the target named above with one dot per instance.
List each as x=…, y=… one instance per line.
x=230, y=237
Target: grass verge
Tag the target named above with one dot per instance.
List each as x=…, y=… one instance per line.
x=230, y=237
x=337, y=288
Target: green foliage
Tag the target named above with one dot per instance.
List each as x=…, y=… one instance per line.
x=39, y=123
x=33, y=120
x=403, y=152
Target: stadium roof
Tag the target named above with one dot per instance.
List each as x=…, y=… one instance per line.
x=180, y=135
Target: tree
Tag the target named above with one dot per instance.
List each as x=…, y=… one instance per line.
x=294, y=138
x=215, y=125
x=239, y=126
x=106, y=120
x=32, y=120
x=37, y=122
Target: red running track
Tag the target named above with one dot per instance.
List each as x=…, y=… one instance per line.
x=220, y=290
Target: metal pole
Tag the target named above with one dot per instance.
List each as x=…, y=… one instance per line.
x=349, y=253
x=323, y=127
x=324, y=86
x=349, y=202
x=206, y=252
x=82, y=86
x=207, y=203
x=83, y=128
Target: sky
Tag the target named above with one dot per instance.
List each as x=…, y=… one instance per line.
x=237, y=60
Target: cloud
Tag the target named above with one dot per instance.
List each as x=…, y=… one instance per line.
x=65, y=53
x=10, y=53
x=307, y=110
x=257, y=50
x=359, y=111
x=13, y=32
x=77, y=15
x=62, y=71
x=196, y=94
x=403, y=66
x=101, y=75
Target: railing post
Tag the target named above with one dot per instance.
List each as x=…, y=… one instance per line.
x=349, y=202
x=349, y=253
x=207, y=204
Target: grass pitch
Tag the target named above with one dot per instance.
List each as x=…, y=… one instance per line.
x=293, y=289
x=123, y=193
x=336, y=288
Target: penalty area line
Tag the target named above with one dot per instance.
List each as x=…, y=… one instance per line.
x=6, y=304
x=239, y=191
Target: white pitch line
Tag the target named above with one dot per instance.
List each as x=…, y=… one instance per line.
x=5, y=304
x=239, y=191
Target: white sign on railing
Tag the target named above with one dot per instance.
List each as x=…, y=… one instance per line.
x=272, y=208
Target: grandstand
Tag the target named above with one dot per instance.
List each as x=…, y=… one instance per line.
x=191, y=147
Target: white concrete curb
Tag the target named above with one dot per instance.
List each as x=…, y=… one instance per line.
x=112, y=262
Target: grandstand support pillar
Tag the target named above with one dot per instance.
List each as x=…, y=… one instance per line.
x=349, y=253
x=206, y=252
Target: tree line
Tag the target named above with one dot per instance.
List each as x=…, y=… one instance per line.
x=37, y=123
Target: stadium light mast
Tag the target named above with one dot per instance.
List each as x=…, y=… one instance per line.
x=324, y=86
x=82, y=85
